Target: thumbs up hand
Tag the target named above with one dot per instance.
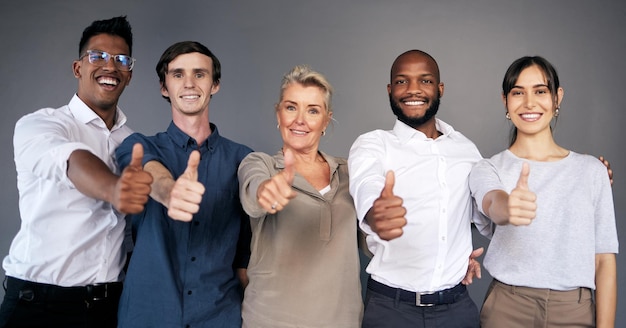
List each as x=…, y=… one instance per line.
x=186, y=194
x=387, y=215
x=522, y=203
x=133, y=186
x=275, y=193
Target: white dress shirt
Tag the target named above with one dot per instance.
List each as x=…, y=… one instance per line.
x=431, y=176
x=65, y=237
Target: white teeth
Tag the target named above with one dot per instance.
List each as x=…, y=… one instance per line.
x=531, y=116
x=414, y=103
x=299, y=132
x=107, y=80
x=190, y=97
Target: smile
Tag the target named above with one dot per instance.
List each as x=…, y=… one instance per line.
x=530, y=116
x=298, y=132
x=108, y=81
x=414, y=103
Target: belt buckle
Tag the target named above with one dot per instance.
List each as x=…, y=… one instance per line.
x=92, y=292
x=418, y=300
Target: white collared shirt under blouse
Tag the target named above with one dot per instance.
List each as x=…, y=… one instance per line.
x=65, y=237
x=431, y=176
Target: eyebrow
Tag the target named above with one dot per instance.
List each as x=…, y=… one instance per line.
x=421, y=75
x=195, y=70
x=534, y=86
x=291, y=102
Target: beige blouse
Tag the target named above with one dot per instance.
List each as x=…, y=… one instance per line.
x=304, y=268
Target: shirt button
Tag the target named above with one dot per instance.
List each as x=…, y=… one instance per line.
x=189, y=292
x=196, y=223
x=193, y=259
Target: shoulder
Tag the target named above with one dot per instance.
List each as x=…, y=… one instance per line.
x=47, y=122
x=340, y=161
x=503, y=156
x=258, y=156
x=497, y=162
x=231, y=145
x=136, y=137
x=125, y=149
x=333, y=161
x=373, y=141
x=47, y=115
x=375, y=135
x=588, y=162
x=256, y=162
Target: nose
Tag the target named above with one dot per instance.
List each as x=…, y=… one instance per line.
x=188, y=81
x=529, y=100
x=109, y=65
x=299, y=119
x=414, y=87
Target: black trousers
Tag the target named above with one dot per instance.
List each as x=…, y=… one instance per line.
x=382, y=311
x=30, y=304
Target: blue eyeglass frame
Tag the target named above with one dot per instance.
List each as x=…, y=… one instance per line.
x=123, y=62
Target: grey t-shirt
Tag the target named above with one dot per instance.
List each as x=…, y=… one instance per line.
x=575, y=220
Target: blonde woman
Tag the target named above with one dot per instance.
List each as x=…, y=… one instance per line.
x=304, y=267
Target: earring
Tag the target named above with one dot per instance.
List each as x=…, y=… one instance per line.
x=278, y=126
x=556, y=112
x=323, y=132
x=508, y=116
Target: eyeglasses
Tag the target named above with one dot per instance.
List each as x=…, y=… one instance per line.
x=101, y=58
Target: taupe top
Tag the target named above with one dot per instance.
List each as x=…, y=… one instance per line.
x=304, y=268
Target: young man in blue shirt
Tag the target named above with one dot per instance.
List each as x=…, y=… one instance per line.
x=186, y=240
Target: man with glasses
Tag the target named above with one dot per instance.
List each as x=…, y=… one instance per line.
x=65, y=265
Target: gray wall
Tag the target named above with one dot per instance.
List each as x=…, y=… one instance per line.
x=353, y=43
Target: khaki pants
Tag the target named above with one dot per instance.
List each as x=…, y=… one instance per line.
x=512, y=306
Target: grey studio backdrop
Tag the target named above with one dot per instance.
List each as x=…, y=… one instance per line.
x=353, y=43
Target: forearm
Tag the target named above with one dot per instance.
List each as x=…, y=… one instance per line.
x=252, y=173
x=162, y=183
x=606, y=290
x=91, y=176
x=495, y=206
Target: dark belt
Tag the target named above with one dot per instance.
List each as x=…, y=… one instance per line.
x=34, y=291
x=446, y=296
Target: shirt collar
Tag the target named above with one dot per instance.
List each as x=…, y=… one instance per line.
x=183, y=140
x=85, y=115
x=332, y=162
x=405, y=132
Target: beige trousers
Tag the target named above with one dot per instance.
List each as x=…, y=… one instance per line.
x=524, y=307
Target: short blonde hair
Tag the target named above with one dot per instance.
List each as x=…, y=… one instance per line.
x=304, y=75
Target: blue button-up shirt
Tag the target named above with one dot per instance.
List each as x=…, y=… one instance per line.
x=181, y=274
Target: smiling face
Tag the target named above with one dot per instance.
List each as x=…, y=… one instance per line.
x=415, y=89
x=302, y=116
x=530, y=103
x=101, y=87
x=189, y=84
